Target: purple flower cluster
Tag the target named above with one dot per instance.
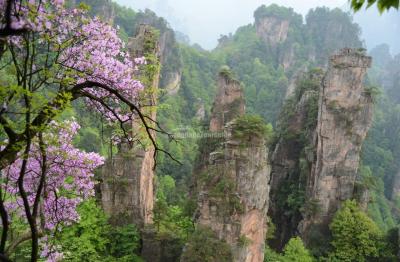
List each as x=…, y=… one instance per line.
x=85, y=49
x=30, y=14
x=68, y=177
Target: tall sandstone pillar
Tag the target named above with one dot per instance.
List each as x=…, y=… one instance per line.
x=127, y=188
x=316, y=159
x=232, y=180
x=344, y=118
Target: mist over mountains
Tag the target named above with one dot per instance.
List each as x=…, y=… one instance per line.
x=378, y=29
x=205, y=21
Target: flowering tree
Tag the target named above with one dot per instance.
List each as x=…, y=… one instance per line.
x=57, y=178
x=52, y=56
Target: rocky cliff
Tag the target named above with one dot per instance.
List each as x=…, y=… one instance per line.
x=101, y=8
x=273, y=30
x=292, y=157
x=232, y=179
x=170, y=56
x=290, y=42
x=316, y=160
x=344, y=118
x=127, y=186
x=330, y=30
x=275, y=26
x=229, y=102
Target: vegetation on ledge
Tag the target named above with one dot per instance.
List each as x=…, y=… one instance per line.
x=249, y=127
x=204, y=245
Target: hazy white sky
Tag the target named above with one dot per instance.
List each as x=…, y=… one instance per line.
x=205, y=20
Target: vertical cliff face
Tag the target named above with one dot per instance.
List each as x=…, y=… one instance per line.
x=127, y=195
x=127, y=187
x=229, y=102
x=315, y=162
x=277, y=27
x=331, y=30
x=170, y=56
x=273, y=30
x=232, y=180
x=101, y=8
x=292, y=157
x=344, y=117
x=233, y=203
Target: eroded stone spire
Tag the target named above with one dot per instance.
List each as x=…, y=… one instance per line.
x=127, y=189
x=232, y=181
x=344, y=118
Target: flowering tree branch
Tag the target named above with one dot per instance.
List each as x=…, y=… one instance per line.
x=63, y=98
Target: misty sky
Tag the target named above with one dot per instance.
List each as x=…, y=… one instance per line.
x=205, y=20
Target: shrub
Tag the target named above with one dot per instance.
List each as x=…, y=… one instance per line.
x=204, y=246
x=355, y=237
x=252, y=126
x=295, y=251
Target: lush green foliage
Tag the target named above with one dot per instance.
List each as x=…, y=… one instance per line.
x=204, y=245
x=322, y=23
x=172, y=217
x=252, y=126
x=271, y=256
x=86, y=240
x=355, y=237
x=124, y=244
x=93, y=239
x=249, y=59
x=277, y=11
x=381, y=149
x=179, y=113
x=294, y=251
